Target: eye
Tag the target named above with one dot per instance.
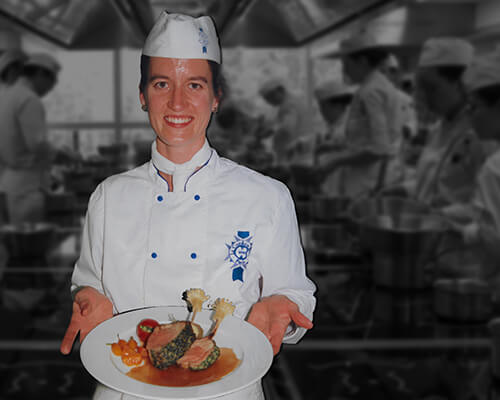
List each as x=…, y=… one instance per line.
x=195, y=85
x=161, y=85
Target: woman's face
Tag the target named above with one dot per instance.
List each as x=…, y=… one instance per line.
x=180, y=99
x=485, y=118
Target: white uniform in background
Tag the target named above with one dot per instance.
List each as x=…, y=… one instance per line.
x=449, y=163
x=224, y=228
x=24, y=173
x=334, y=184
x=375, y=124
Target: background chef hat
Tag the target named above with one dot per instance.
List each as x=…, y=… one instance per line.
x=439, y=52
x=10, y=56
x=333, y=90
x=359, y=42
x=182, y=36
x=45, y=61
x=483, y=72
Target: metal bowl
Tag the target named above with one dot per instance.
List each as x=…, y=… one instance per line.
x=28, y=240
x=402, y=247
x=463, y=299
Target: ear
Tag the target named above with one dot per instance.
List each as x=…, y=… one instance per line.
x=215, y=104
x=142, y=99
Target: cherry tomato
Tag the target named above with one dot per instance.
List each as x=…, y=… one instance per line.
x=145, y=328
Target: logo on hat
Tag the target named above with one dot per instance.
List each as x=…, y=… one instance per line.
x=203, y=39
x=238, y=252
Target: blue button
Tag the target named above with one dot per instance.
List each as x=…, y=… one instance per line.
x=197, y=197
x=154, y=255
x=193, y=255
x=159, y=198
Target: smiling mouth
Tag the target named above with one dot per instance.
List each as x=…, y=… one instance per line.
x=178, y=122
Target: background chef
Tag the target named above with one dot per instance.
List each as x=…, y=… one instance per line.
x=452, y=155
x=177, y=221
x=374, y=129
x=285, y=129
x=25, y=152
x=334, y=99
x=483, y=83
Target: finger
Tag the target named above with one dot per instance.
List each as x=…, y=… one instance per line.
x=71, y=332
x=301, y=320
x=277, y=335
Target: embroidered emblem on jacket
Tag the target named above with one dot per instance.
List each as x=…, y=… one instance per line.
x=238, y=252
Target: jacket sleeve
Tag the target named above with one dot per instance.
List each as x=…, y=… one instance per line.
x=88, y=268
x=284, y=271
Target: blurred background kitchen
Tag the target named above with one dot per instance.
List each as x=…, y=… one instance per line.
x=407, y=301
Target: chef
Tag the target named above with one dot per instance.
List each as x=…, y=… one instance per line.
x=451, y=158
x=483, y=83
x=287, y=125
x=188, y=218
x=374, y=129
x=25, y=153
x=334, y=99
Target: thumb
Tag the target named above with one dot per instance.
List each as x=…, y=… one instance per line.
x=301, y=320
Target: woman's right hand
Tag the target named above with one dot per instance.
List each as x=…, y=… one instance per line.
x=90, y=308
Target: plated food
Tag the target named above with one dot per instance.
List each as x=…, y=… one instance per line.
x=245, y=356
x=174, y=353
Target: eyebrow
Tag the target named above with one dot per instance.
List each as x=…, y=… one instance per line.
x=193, y=78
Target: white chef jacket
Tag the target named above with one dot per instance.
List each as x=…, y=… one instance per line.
x=485, y=230
x=24, y=169
x=449, y=163
x=232, y=232
x=375, y=124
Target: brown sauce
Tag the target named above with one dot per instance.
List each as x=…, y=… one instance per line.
x=177, y=376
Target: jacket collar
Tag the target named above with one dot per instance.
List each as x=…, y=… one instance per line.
x=189, y=172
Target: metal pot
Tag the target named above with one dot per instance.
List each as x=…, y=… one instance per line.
x=28, y=240
x=402, y=248
x=463, y=299
x=330, y=209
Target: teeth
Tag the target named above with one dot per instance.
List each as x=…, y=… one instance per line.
x=175, y=120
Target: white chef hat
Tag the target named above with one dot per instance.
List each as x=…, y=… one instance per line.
x=45, y=61
x=359, y=42
x=333, y=90
x=439, y=52
x=182, y=36
x=483, y=72
x=10, y=56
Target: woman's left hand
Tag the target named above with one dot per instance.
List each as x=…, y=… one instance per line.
x=273, y=314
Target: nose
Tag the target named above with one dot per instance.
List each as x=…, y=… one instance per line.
x=176, y=101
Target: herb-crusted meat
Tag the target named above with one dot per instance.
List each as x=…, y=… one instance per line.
x=201, y=355
x=169, y=342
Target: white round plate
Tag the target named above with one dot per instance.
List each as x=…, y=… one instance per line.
x=248, y=343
